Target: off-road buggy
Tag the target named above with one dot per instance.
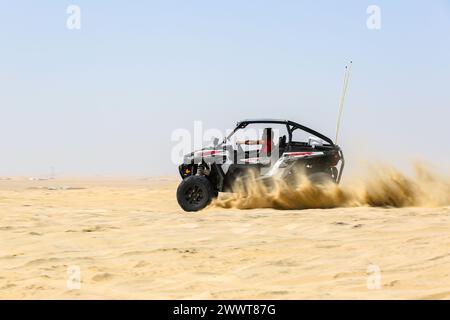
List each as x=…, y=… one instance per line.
x=276, y=149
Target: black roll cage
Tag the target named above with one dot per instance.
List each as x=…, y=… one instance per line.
x=290, y=125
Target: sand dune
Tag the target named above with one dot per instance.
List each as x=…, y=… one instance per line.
x=129, y=240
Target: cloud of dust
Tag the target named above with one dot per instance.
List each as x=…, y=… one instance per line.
x=382, y=186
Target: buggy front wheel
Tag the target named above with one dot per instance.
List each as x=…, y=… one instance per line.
x=195, y=193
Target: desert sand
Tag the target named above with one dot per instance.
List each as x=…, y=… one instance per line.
x=130, y=240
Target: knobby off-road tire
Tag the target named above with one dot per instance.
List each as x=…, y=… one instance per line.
x=195, y=193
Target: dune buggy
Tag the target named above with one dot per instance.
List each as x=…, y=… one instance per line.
x=269, y=148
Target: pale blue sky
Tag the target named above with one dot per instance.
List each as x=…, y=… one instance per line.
x=105, y=99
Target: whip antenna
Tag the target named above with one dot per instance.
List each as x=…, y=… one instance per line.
x=347, y=72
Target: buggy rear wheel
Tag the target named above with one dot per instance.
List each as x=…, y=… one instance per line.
x=195, y=193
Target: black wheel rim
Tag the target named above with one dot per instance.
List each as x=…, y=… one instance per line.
x=194, y=195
